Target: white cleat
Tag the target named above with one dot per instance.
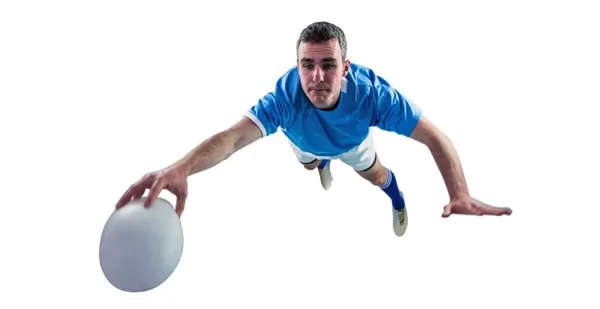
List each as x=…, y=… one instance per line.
x=400, y=220
x=325, y=175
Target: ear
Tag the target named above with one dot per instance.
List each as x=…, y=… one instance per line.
x=346, y=67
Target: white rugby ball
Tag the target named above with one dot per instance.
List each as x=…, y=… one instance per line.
x=140, y=247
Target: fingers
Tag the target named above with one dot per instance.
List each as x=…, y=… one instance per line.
x=157, y=182
x=139, y=194
x=474, y=207
x=135, y=190
x=447, y=211
x=495, y=211
x=158, y=186
x=180, y=206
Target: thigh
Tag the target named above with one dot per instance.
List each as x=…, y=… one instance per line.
x=376, y=174
x=301, y=156
x=363, y=157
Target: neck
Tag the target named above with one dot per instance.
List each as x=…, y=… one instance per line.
x=332, y=107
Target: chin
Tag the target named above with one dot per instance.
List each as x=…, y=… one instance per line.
x=322, y=104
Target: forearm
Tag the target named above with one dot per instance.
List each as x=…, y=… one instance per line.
x=209, y=153
x=446, y=158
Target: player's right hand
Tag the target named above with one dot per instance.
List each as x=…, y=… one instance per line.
x=173, y=179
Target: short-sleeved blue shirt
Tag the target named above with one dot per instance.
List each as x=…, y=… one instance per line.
x=366, y=100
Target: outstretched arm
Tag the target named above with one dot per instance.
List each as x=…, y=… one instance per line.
x=219, y=147
x=446, y=158
x=207, y=154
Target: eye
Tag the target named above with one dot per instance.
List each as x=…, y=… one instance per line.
x=308, y=66
x=328, y=66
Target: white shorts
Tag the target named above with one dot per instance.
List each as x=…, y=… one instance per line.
x=360, y=158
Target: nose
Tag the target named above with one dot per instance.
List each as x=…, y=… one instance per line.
x=318, y=75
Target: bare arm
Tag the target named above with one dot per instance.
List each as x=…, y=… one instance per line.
x=209, y=153
x=445, y=157
x=220, y=146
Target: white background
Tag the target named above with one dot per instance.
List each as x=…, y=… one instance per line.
x=95, y=94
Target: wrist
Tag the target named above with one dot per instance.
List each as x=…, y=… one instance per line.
x=460, y=195
x=183, y=166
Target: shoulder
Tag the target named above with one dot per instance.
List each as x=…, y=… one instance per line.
x=287, y=87
x=286, y=98
x=363, y=84
x=361, y=75
x=368, y=82
x=284, y=91
x=289, y=81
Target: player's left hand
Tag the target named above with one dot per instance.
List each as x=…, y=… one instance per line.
x=466, y=205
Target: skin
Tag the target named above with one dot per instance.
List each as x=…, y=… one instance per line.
x=321, y=69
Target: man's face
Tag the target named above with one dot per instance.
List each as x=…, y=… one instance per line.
x=321, y=69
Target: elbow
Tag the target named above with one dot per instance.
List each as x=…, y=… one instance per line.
x=439, y=142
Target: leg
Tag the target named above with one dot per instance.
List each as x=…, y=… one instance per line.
x=385, y=179
x=310, y=162
x=324, y=171
x=376, y=174
x=366, y=163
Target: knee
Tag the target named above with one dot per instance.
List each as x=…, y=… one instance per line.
x=311, y=166
x=378, y=179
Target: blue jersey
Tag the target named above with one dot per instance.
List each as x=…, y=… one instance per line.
x=366, y=100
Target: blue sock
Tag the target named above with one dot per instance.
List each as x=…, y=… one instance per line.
x=323, y=163
x=391, y=189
